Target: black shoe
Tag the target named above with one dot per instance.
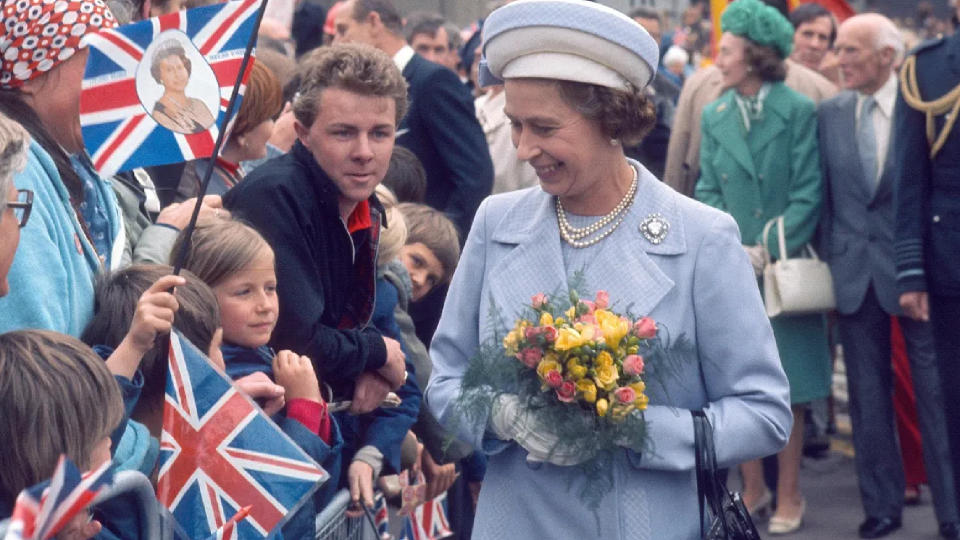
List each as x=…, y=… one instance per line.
x=950, y=530
x=878, y=527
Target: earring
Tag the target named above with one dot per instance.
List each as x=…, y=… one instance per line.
x=749, y=69
x=614, y=142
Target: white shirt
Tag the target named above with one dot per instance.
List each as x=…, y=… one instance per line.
x=402, y=57
x=886, y=98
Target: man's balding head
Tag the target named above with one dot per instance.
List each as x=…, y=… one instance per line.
x=869, y=47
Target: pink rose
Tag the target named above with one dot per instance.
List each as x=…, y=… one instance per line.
x=625, y=394
x=539, y=300
x=567, y=391
x=554, y=379
x=530, y=357
x=633, y=364
x=549, y=334
x=645, y=328
x=531, y=332
x=587, y=319
x=591, y=307
x=603, y=300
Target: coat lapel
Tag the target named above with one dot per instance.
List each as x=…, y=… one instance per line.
x=848, y=125
x=774, y=120
x=726, y=124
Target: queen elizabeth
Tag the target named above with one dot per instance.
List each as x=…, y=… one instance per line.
x=574, y=74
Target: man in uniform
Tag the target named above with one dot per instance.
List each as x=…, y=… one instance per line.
x=928, y=206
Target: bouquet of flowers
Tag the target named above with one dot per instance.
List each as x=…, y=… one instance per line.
x=581, y=372
x=587, y=357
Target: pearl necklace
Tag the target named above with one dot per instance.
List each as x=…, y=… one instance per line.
x=575, y=235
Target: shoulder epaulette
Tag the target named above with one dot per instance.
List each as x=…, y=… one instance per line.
x=928, y=44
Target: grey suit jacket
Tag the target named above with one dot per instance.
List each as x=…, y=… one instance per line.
x=857, y=223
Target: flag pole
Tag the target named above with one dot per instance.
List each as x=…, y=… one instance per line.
x=221, y=136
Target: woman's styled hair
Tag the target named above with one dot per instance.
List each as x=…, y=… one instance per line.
x=219, y=248
x=14, y=142
x=262, y=100
x=360, y=69
x=57, y=397
x=405, y=176
x=115, y=301
x=433, y=229
x=167, y=49
x=394, y=235
x=623, y=115
x=765, y=61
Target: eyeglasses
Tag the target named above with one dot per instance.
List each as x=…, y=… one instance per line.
x=22, y=206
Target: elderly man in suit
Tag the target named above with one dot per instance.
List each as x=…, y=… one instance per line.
x=858, y=227
x=440, y=127
x=683, y=152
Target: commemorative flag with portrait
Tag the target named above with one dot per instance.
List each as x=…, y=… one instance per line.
x=156, y=91
x=219, y=453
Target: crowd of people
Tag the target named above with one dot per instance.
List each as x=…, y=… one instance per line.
x=391, y=179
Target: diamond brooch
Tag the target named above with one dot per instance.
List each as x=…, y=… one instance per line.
x=654, y=228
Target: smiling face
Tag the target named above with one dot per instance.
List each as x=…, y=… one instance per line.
x=351, y=139
x=248, y=302
x=811, y=41
x=732, y=60
x=173, y=73
x=564, y=147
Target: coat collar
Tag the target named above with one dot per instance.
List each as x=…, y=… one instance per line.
x=626, y=271
x=724, y=119
x=847, y=105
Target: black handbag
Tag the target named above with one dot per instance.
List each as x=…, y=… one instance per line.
x=731, y=520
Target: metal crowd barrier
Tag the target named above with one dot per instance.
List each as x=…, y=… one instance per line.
x=333, y=523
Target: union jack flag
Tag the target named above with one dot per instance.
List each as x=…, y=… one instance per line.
x=381, y=517
x=219, y=453
x=428, y=521
x=121, y=87
x=41, y=511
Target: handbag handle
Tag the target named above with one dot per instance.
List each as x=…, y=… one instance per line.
x=708, y=483
x=781, y=239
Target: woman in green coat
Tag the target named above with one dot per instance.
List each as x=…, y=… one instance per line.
x=760, y=160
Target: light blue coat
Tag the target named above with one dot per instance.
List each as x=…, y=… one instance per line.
x=51, y=279
x=697, y=282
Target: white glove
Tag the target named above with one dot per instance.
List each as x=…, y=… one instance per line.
x=758, y=258
x=509, y=421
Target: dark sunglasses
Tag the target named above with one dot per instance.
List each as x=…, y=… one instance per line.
x=22, y=206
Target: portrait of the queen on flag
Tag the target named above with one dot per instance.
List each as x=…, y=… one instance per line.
x=156, y=91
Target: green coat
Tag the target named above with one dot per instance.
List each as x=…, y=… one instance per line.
x=771, y=171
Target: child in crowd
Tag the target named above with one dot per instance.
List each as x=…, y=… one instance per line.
x=57, y=397
x=432, y=248
x=238, y=264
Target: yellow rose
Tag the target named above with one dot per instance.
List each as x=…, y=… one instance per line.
x=641, y=402
x=551, y=356
x=614, y=328
x=638, y=387
x=620, y=411
x=589, y=333
x=586, y=388
x=512, y=340
x=568, y=338
x=571, y=313
x=604, y=359
x=602, y=406
x=546, y=319
x=576, y=370
x=546, y=366
x=606, y=377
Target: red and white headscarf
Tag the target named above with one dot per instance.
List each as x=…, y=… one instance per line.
x=39, y=34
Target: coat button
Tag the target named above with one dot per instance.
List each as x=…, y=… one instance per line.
x=760, y=176
x=936, y=219
x=724, y=177
x=758, y=213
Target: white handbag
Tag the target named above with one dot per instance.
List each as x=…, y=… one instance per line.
x=796, y=286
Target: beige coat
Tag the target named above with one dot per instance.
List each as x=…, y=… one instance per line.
x=509, y=172
x=704, y=86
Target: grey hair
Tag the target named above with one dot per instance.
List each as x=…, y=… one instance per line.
x=14, y=141
x=454, y=41
x=886, y=34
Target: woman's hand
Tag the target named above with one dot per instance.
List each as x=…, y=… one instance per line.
x=758, y=258
x=153, y=317
x=510, y=421
x=296, y=375
x=360, y=482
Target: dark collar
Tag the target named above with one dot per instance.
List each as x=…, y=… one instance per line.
x=327, y=192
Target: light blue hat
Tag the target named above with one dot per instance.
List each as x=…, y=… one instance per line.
x=571, y=40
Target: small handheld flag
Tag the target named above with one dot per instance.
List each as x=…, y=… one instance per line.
x=41, y=511
x=219, y=452
x=156, y=91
